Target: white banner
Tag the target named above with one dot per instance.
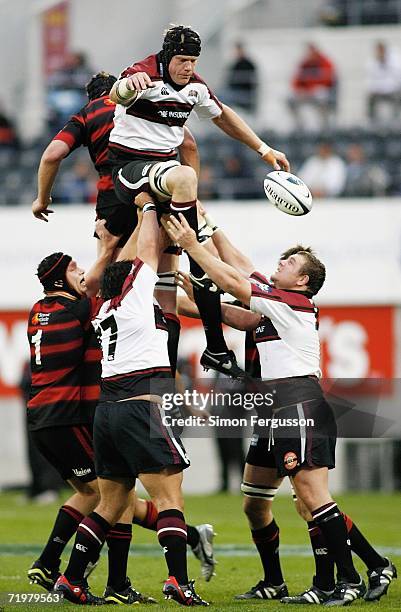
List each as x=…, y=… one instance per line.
x=359, y=242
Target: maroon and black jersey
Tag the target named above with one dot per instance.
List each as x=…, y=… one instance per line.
x=65, y=363
x=91, y=128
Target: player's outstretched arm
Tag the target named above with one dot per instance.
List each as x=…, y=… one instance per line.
x=225, y=276
x=233, y=125
x=232, y=315
x=50, y=162
x=107, y=244
x=148, y=238
x=225, y=248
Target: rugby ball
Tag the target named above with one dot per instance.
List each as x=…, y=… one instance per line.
x=288, y=193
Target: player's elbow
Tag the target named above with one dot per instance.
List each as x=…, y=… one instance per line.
x=55, y=152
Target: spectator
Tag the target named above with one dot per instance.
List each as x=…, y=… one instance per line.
x=314, y=84
x=384, y=81
x=238, y=181
x=66, y=90
x=324, y=172
x=8, y=135
x=242, y=82
x=364, y=178
x=207, y=183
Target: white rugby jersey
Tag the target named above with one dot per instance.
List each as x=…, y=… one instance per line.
x=155, y=121
x=287, y=335
x=133, y=335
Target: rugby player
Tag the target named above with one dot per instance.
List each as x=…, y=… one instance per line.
x=290, y=364
x=129, y=437
x=154, y=99
x=259, y=496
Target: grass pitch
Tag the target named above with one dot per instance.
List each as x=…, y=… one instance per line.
x=24, y=529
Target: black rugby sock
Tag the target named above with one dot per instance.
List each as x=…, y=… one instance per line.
x=331, y=522
x=267, y=541
x=172, y=534
x=89, y=540
x=324, y=562
x=192, y=536
x=66, y=524
x=118, y=541
x=361, y=547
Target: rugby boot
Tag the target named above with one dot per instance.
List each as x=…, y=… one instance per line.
x=184, y=594
x=313, y=595
x=78, y=593
x=225, y=363
x=43, y=576
x=345, y=593
x=204, y=550
x=126, y=596
x=379, y=581
x=264, y=590
x=204, y=282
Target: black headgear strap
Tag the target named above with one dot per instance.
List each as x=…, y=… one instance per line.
x=55, y=279
x=179, y=40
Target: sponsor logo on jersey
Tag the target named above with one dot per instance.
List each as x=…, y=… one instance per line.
x=146, y=169
x=262, y=286
x=81, y=471
x=40, y=318
x=82, y=548
x=164, y=91
x=170, y=114
x=290, y=460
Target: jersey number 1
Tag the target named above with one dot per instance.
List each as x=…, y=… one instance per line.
x=36, y=342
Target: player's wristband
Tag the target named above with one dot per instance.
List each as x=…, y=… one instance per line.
x=149, y=206
x=263, y=149
x=123, y=94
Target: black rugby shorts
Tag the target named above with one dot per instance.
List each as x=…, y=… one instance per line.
x=130, y=439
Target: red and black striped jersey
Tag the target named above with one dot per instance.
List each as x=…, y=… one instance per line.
x=91, y=128
x=65, y=363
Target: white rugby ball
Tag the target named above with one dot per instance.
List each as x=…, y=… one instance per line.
x=288, y=193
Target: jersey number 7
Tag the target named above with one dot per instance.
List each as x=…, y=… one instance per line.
x=111, y=324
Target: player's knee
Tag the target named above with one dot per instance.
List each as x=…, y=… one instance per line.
x=167, y=500
x=89, y=493
x=182, y=177
x=303, y=510
x=257, y=510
